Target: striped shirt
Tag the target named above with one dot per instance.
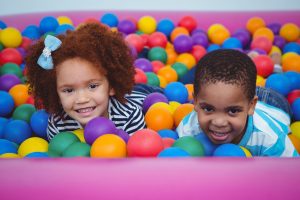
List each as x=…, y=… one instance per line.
x=128, y=116
x=265, y=135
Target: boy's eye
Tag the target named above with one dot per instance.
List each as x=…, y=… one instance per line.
x=207, y=109
x=234, y=111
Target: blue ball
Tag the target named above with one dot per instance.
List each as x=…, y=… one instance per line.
x=7, y=146
x=213, y=47
x=3, y=122
x=39, y=123
x=232, y=43
x=48, y=24
x=7, y=104
x=229, y=150
x=291, y=47
x=188, y=77
x=279, y=83
x=209, y=147
x=17, y=131
x=2, y=25
x=37, y=155
x=176, y=91
x=110, y=19
x=167, y=133
x=173, y=152
x=294, y=78
x=296, y=109
x=32, y=32
x=62, y=29
x=166, y=26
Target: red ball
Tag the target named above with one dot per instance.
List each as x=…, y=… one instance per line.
x=157, y=65
x=261, y=43
x=136, y=41
x=145, y=38
x=140, y=76
x=264, y=65
x=188, y=22
x=168, y=142
x=157, y=39
x=10, y=55
x=144, y=143
x=293, y=95
x=198, y=52
x=26, y=42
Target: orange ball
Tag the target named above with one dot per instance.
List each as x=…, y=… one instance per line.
x=264, y=31
x=219, y=36
x=158, y=118
x=291, y=62
x=290, y=32
x=168, y=73
x=187, y=59
x=296, y=141
x=190, y=88
x=182, y=111
x=172, y=55
x=19, y=93
x=162, y=81
x=178, y=31
x=255, y=23
x=109, y=146
x=260, y=81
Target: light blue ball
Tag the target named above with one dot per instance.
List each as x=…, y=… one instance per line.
x=7, y=146
x=213, y=47
x=209, y=147
x=294, y=78
x=167, y=133
x=62, y=29
x=173, y=152
x=232, y=43
x=291, y=47
x=7, y=104
x=48, y=24
x=110, y=19
x=229, y=150
x=176, y=91
x=279, y=83
x=166, y=26
x=32, y=32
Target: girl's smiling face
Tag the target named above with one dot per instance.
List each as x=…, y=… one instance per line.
x=223, y=111
x=83, y=90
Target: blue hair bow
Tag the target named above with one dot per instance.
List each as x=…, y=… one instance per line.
x=51, y=44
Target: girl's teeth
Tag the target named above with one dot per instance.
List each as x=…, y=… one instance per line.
x=85, y=110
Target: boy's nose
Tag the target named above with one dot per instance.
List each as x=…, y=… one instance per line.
x=219, y=121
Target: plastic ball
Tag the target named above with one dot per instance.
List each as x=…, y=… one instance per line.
x=243, y=36
x=213, y=47
x=126, y=26
x=182, y=111
x=168, y=133
x=291, y=62
x=232, y=43
x=110, y=19
x=187, y=59
x=7, y=81
x=158, y=118
x=292, y=96
x=168, y=142
x=153, y=98
x=143, y=64
x=183, y=43
x=219, y=36
x=80, y=134
x=7, y=146
x=33, y=144
x=172, y=56
x=260, y=81
x=208, y=145
x=255, y=23
x=180, y=69
x=60, y=143
x=24, y=112
x=62, y=29
x=147, y=24
x=296, y=109
x=246, y=151
x=9, y=155
x=17, y=131
x=77, y=149
x=173, y=152
x=145, y=143
x=274, y=27
x=19, y=93
x=229, y=150
x=264, y=65
x=11, y=37
x=2, y=25
x=140, y=76
x=11, y=68
x=162, y=81
x=265, y=32
x=279, y=41
x=10, y=55
x=162, y=105
x=157, y=53
x=157, y=39
x=261, y=43
x=212, y=28
x=168, y=73
x=294, y=78
x=177, y=31
x=200, y=39
x=165, y=26
x=188, y=22
x=176, y=91
x=152, y=79
x=39, y=123
x=48, y=24
x=6, y=104
x=157, y=65
x=136, y=41
x=290, y=32
x=292, y=47
x=64, y=20
x=3, y=122
x=295, y=129
x=122, y=134
x=37, y=155
x=32, y=32
x=279, y=83
x=191, y=145
x=296, y=141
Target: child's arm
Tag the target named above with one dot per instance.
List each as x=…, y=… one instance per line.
x=135, y=121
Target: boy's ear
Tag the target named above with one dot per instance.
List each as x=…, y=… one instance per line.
x=195, y=102
x=252, y=105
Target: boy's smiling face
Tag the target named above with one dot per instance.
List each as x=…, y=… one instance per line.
x=222, y=111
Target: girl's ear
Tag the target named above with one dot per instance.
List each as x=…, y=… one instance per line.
x=252, y=105
x=112, y=92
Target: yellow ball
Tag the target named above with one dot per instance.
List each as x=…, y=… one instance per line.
x=79, y=134
x=186, y=59
x=33, y=144
x=174, y=105
x=147, y=24
x=162, y=105
x=246, y=151
x=214, y=27
x=64, y=20
x=290, y=32
x=219, y=36
x=11, y=37
x=162, y=81
x=9, y=155
x=265, y=32
x=275, y=49
x=295, y=129
x=260, y=81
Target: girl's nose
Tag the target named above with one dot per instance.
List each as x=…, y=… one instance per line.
x=82, y=97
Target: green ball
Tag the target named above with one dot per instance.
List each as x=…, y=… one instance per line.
x=24, y=112
x=60, y=143
x=190, y=145
x=180, y=68
x=77, y=149
x=1, y=46
x=158, y=53
x=152, y=79
x=11, y=68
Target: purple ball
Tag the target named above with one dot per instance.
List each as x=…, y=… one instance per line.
x=123, y=135
x=200, y=39
x=196, y=31
x=7, y=81
x=243, y=35
x=133, y=51
x=98, y=127
x=126, y=26
x=183, y=43
x=143, y=64
x=275, y=27
x=279, y=41
x=152, y=99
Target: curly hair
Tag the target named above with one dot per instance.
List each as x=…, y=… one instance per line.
x=228, y=66
x=93, y=42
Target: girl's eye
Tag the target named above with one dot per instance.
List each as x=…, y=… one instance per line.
x=93, y=86
x=68, y=90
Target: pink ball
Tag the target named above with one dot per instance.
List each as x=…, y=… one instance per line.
x=264, y=65
x=157, y=39
x=157, y=65
x=140, y=76
x=136, y=41
x=261, y=43
x=188, y=22
x=145, y=143
x=10, y=55
x=198, y=52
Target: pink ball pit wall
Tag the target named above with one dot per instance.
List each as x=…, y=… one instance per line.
x=152, y=178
